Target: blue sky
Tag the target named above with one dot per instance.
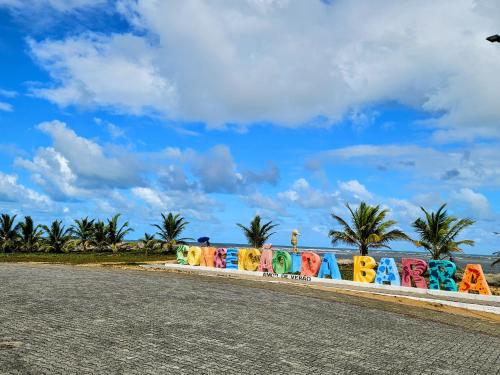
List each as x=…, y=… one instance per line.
x=220, y=110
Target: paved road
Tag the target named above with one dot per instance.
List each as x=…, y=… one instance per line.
x=64, y=320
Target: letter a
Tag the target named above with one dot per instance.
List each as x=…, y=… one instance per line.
x=329, y=267
x=387, y=272
x=474, y=280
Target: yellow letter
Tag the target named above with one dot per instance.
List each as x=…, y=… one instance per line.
x=363, y=269
x=194, y=256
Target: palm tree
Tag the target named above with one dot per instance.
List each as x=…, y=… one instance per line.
x=57, y=237
x=83, y=230
x=256, y=234
x=29, y=234
x=149, y=242
x=100, y=235
x=170, y=229
x=438, y=232
x=369, y=229
x=8, y=232
x=116, y=233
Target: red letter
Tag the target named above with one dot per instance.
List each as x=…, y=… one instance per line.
x=415, y=273
x=310, y=264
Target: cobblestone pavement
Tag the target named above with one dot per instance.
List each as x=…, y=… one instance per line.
x=79, y=320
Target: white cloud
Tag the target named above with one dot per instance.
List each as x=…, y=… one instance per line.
x=249, y=61
x=217, y=171
x=114, y=71
x=191, y=203
x=6, y=107
x=473, y=202
x=267, y=206
x=305, y=196
x=75, y=167
x=58, y=5
x=475, y=165
x=12, y=191
x=355, y=188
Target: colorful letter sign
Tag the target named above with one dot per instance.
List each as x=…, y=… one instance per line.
x=363, y=269
x=194, y=256
x=474, y=280
x=329, y=267
x=387, y=272
x=282, y=262
x=266, y=261
x=220, y=258
x=413, y=269
x=310, y=264
x=442, y=272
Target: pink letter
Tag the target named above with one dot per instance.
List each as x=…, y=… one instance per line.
x=415, y=272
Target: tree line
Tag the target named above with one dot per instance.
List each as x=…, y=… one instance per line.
x=86, y=235
x=366, y=228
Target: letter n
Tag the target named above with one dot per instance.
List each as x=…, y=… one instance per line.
x=207, y=257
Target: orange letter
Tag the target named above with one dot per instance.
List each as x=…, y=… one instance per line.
x=363, y=269
x=310, y=264
x=207, y=257
x=474, y=280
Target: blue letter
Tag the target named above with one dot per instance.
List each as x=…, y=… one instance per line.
x=329, y=267
x=442, y=272
x=232, y=258
x=296, y=263
x=387, y=272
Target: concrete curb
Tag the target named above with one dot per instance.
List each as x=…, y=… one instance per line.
x=476, y=302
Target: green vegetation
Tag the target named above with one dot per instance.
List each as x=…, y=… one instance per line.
x=149, y=243
x=57, y=239
x=438, y=232
x=170, y=230
x=369, y=229
x=26, y=241
x=257, y=234
x=8, y=233
x=84, y=258
x=30, y=235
